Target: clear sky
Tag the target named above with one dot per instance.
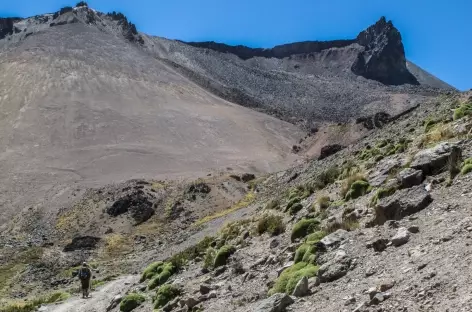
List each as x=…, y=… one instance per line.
x=437, y=34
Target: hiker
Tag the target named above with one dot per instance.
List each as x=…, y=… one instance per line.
x=85, y=275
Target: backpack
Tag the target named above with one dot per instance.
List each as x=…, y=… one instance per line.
x=84, y=274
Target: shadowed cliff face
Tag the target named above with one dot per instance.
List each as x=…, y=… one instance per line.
x=384, y=56
x=6, y=26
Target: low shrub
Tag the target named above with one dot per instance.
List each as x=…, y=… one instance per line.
x=314, y=238
x=151, y=270
x=346, y=224
x=296, y=208
x=271, y=224
x=346, y=186
x=291, y=276
x=305, y=253
x=165, y=294
x=327, y=177
x=209, y=258
x=180, y=259
x=382, y=193
x=33, y=303
x=358, y=188
x=304, y=227
x=274, y=204
x=163, y=273
x=292, y=202
x=466, y=166
x=323, y=202
x=465, y=109
x=131, y=302
x=223, y=254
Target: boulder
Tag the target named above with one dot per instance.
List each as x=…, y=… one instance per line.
x=204, y=289
x=246, y=177
x=82, y=243
x=335, y=239
x=275, y=303
x=410, y=177
x=301, y=289
x=378, y=245
x=402, y=237
x=335, y=268
x=114, y=302
x=329, y=150
x=401, y=204
x=434, y=160
x=137, y=204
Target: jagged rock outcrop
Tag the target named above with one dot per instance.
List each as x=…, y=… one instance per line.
x=6, y=26
x=384, y=56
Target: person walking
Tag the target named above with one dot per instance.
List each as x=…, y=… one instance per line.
x=85, y=275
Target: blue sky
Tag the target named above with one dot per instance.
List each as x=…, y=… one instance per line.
x=436, y=33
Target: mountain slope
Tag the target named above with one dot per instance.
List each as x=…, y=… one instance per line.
x=82, y=106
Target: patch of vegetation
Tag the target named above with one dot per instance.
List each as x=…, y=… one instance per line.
x=33, y=303
x=232, y=230
x=274, y=204
x=301, y=191
x=180, y=259
x=327, y=177
x=296, y=208
x=466, y=166
x=382, y=193
x=292, y=202
x=429, y=123
x=209, y=258
x=346, y=224
x=223, y=254
x=369, y=152
x=131, y=302
x=165, y=294
x=304, y=227
x=437, y=133
x=323, y=202
x=305, y=253
x=272, y=224
x=117, y=244
x=354, y=187
x=315, y=237
x=291, y=276
x=161, y=275
x=243, y=203
x=465, y=109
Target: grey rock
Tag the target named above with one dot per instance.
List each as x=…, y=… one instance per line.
x=386, y=285
x=349, y=301
x=189, y=302
x=204, y=289
x=378, y=298
x=114, y=302
x=382, y=170
x=335, y=268
x=378, y=245
x=372, y=292
x=410, y=177
x=434, y=160
x=402, y=237
x=403, y=203
x=301, y=289
x=274, y=243
x=259, y=262
x=334, y=239
x=329, y=150
x=220, y=270
x=275, y=303
x=413, y=229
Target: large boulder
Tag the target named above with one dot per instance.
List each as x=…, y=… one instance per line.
x=335, y=239
x=335, y=268
x=137, y=204
x=82, y=243
x=403, y=203
x=383, y=58
x=329, y=150
x=409, y=177
x=301, y=289
x=275, y=303
x=434, y=160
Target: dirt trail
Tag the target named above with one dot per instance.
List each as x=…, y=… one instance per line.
x=99, y=300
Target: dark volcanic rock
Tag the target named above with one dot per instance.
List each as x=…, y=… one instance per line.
x=246, y=177
x=6, y=26
x=82, y=243
x=329, y=150
x=384, y=56
x=377, y=120
x=137, y=204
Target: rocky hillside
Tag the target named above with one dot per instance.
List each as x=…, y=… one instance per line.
x=127, y=157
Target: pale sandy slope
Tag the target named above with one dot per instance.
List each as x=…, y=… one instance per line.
x=79, y=107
